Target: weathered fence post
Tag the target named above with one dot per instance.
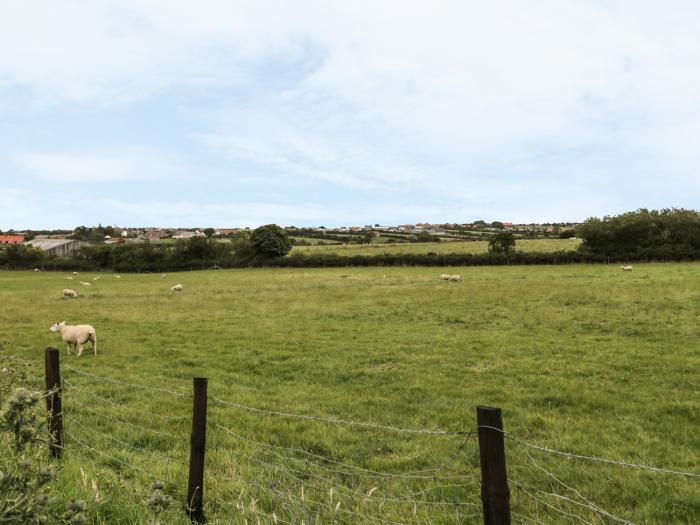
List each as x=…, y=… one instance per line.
x=495, y=496
x=195, y=486
x=52, y=374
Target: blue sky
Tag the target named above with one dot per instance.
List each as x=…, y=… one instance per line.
x=230, y=113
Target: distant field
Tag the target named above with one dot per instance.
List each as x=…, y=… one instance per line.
x=581, y=358
x=526, y=245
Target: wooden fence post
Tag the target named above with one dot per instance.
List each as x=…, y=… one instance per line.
x=52, y=373
x=195, y=486
x=495, y=496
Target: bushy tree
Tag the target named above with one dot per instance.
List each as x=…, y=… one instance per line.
x=503, y=242
x=643, y=233
x=270, y=241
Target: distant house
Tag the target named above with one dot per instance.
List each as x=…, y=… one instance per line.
x=188, y=234
x=11, y=239
x=58, y=247
x=509, y=226
x=154, y=234
x=114, y=240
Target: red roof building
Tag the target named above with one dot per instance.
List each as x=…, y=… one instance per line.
x=11, y=239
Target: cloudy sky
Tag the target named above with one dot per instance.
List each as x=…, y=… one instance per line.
x=303, y=112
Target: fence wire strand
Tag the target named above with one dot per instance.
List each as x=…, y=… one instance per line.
x=339, y=421
x=593, y=458
x=123, y=406
x=372, y=473
x=132, y=385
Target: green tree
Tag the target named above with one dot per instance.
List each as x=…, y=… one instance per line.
x=424, y=236
x=503, y=242
x=209, y=232
x=270, y=241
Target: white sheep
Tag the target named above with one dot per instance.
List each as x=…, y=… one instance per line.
x=176, y=288
x=69, y=278
x=95, y=278
x=69, y=293
x=117, y=276
x=626, y=268
x=445, y=277
x=455, y=278
x=163, y=276
x=76, y=335
x=75, y=273
x=37, y=270
x=84, y=283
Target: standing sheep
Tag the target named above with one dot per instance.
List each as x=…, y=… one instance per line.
x=445, y=277
x=176, y=288
x=67, y=292
x=76, y=335
x=626, y=268
x=455, y=278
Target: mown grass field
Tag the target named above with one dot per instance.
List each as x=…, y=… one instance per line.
x=526, y=245
x=581, y=358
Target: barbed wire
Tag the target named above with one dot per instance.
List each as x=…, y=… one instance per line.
x=133, y=385
x=123, y=406
x=593, y=458
x=367, y=495
x=340, y=421
x=74, y=436
x=589, y=503
x=547, y=504
x=123, y=443
x=127, y=423
x=374, y=473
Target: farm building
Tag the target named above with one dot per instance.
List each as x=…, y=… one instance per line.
x=58, y=247
x=11, y=239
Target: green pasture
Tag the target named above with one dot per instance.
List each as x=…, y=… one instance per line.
x=581, y=358
x=451, y=246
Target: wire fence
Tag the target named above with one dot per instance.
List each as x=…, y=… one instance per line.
x=311, y=474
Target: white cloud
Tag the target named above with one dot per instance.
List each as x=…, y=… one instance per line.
x=559, y=105
x=97, y=167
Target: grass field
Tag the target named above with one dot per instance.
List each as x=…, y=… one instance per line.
x=581, y=358
x=526, y=245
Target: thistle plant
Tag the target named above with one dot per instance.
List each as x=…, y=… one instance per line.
x=158, y=502
x=23, y=480
x=75, y=513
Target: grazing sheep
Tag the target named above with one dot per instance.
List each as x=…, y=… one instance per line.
x=76, y=335
x=69, y=278
x=626, y=268
x=69, y=293
x=95, y=278
x=445, y=277
x=75, y=273
x=162, y=276
x=455, y=278
x=37, y=270
x=85, y=284
x=117, y=276
x=176, y=288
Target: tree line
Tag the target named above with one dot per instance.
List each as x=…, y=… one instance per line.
x=642, y=235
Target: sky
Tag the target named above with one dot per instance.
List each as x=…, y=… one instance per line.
x=309, y=112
